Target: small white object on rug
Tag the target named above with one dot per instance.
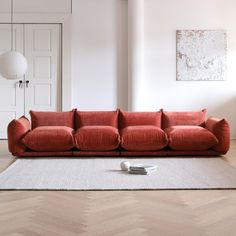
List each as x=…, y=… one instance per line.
x=124, y=165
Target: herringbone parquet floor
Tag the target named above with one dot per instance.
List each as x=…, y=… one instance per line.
x=119, y=213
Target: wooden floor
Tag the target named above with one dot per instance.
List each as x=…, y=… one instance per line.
x=120, y=213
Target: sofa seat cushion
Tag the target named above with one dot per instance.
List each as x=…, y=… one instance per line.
x=190, y=138
x=183, y=118
x=50, y=138
x=143, y=138
x=97, y=138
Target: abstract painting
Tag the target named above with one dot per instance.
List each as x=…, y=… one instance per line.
x=201, y=55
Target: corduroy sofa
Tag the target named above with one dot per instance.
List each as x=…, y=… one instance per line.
x=118, y=133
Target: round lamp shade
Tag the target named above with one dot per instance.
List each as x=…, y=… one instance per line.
x=13, y=65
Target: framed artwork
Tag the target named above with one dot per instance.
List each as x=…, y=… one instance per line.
x=201, y=55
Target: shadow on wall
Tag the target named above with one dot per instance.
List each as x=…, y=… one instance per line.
x=226, y=110
x=122, y=53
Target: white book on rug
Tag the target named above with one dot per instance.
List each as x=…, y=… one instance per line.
x=143, y=167
x=137, y=172
x=142, y=170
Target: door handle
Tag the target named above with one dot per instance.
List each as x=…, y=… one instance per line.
x=27, y=83
x=20, y=83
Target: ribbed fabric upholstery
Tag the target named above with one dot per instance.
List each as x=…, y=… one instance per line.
x=143, y=138
x=139, y=118
x=50, y=138
x=97, y=138
x=15, y=132
x=96, y=153
x=86, y=118
x=135, y=154
x=204, y=153
x=183, y=118
x=191, y=138
x=220, y=128
x=168, y=152
x=97, y=134
x=46, y=118
x=29, y=153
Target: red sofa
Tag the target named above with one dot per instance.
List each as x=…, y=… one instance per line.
x=118, y=133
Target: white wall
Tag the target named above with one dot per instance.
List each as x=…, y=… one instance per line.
x=99, y=54
x=36, y=6
x=99, y=48
x=161, y=89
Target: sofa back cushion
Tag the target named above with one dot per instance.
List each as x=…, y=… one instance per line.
x=139, y=118
x=45, y=118
x=183, y=118
x=89, y=118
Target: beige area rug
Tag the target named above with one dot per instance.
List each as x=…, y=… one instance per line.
x=105, y=174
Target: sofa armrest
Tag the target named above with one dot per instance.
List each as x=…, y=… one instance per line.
x=16, y=130
x=220, y=128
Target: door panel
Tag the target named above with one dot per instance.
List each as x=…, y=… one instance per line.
x=11, y=95
x=41, y=45
x=43, y=52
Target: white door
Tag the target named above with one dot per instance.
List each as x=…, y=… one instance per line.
x=43, y=78
x=41, y=86
x=11, y=91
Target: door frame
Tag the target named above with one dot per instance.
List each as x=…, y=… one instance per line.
x=65, y=21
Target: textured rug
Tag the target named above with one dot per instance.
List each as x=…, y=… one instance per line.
x=105, y=174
